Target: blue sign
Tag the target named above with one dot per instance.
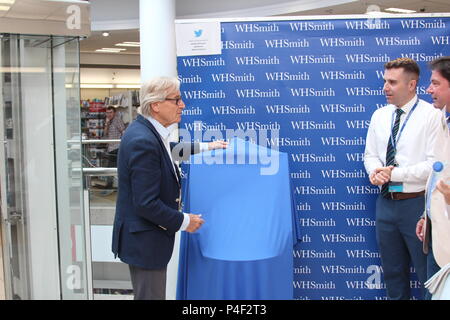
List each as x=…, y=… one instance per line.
x=309, y=88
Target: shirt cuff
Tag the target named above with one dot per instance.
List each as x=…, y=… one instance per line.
x=398, y=174
x=185, y=223
x=204, y=146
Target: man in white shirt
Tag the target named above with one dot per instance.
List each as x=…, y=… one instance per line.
x=440, y=92
x=398, y=157
x=436, y=234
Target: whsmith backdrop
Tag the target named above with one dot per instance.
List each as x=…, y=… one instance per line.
x=318, y=82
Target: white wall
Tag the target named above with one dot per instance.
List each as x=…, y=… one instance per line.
x=114, y=76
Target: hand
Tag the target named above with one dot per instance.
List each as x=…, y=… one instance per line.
x=195, y=222
x=381, y=175
x=218, y=144
x=374, y=180
x=419, y=229
x=445, y=190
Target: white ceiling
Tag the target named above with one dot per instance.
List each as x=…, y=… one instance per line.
x=27, y=9
x=112, y=13
x=121, y=18
x=424, y=6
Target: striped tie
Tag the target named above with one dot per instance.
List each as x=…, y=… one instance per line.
x=390, y=152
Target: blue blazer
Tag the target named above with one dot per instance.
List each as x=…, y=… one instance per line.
x=147, y=215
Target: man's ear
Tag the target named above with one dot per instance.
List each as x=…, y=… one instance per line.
x=413, y=84
x=155, y=107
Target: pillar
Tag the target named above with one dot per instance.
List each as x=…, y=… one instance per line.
x=157, y=37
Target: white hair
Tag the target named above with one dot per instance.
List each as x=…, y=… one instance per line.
x=155, y=90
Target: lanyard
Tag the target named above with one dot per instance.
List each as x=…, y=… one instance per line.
x=394, y=142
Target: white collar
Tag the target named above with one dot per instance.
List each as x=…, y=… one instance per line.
x=162, y=131
x=408, y=106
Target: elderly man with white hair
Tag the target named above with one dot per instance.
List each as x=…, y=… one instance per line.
x=148, y=210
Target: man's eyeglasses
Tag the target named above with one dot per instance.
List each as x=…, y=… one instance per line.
x=177, y=100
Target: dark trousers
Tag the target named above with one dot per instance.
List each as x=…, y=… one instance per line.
x=398, y=244
x=112, y=158
x=111, y=163
x=148, y=284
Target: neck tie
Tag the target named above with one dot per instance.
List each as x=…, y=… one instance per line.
x=390, y=152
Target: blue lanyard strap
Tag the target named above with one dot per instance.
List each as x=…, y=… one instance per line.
x=395, y=141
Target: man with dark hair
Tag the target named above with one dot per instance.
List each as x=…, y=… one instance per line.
x=398, y=158
x=114, y=129
x=434, y=230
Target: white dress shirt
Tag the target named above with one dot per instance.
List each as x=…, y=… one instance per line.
x=443, y=151
x=164, y=133
x=415, y=149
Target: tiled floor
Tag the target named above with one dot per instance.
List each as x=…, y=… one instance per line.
x=102, y=207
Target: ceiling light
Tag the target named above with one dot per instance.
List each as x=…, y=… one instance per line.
x=109, y=51
x=128, y=44
x=114, y=50
x=105, y=34
x=4, y=8
x=398, y=10
x=7, y=1
x=105, y=50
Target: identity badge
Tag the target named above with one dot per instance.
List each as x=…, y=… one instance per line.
x=395, y=186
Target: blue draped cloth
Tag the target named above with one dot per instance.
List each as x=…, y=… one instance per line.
x=244, y=248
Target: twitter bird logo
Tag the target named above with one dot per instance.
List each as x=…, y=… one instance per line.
x=198, y=33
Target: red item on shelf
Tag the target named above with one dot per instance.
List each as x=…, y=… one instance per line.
x=97, y=106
